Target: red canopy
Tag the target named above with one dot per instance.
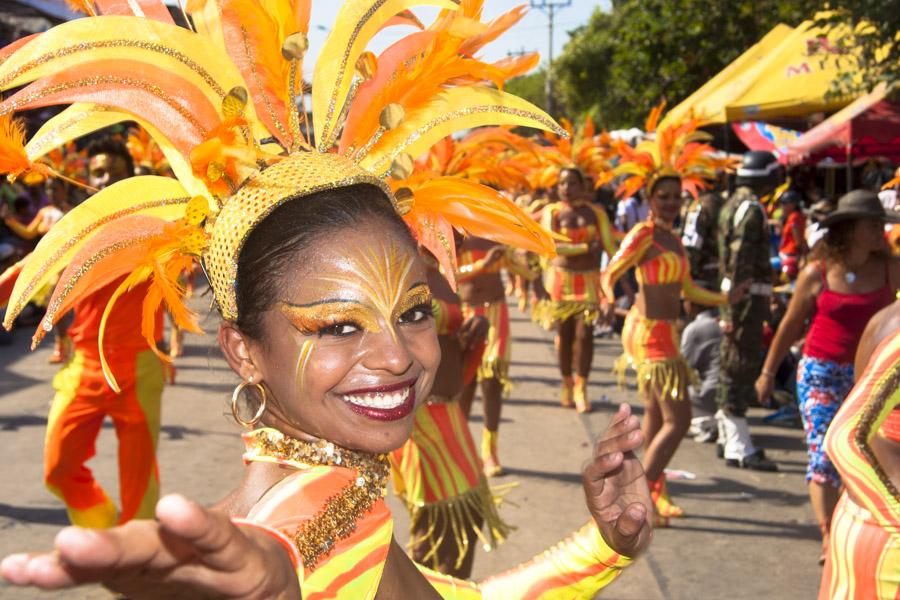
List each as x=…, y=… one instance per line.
x=868, y=127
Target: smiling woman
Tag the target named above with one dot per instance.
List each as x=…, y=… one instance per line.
x=303, y=229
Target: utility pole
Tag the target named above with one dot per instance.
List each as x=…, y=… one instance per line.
x=550, y=7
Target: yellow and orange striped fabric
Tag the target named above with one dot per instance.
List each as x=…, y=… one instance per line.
x=580, y=237
x=664, y=268
x=576, y=568
x=864, y=555
x=439, y=476
x=497, y=354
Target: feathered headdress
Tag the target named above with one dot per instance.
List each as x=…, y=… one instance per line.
x=674, y=150
x=224, y=102
x=582, y=148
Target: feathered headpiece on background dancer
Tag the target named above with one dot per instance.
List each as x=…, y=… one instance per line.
x=582, y=148
x=673, y=150
x=219, y=101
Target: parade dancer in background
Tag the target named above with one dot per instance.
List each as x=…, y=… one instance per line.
x=324, y=299
x=438, y=473
x=649, y=337
x=572, y=280
x=481, y=291
x=744, y=256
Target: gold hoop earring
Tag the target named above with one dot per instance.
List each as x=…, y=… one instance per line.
x=259, y=412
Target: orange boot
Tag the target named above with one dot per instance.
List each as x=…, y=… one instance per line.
x=60, y=349
x=659, y=493
x=492, y=466
x=566, y=398
x=582, y=404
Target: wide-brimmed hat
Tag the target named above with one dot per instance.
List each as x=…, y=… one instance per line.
x=860, y=204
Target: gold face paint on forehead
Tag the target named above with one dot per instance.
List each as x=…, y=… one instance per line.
x=381, y=276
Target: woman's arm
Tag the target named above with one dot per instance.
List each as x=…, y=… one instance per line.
x=607, y=234
x=26, y=232
x=695, y=293
x=188, y=552
x=800, y=309
x=629, y=254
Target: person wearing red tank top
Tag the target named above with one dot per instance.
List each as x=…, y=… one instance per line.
x=850, y=278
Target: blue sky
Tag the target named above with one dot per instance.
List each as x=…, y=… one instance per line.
x=529, y=34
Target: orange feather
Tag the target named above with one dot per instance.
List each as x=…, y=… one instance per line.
x=82, y=6
x=13, y=159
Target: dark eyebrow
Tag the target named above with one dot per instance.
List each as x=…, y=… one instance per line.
x=326, y=301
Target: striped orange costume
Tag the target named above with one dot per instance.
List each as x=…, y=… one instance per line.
x=497, y=354
x=84, y=399
x=864, y=555
x=350, y=565
x=438, y=473
x=573, y=293
x=652, y=346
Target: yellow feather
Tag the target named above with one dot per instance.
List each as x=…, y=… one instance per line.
x=454, y=110
x=161, y=197
x=348, y=39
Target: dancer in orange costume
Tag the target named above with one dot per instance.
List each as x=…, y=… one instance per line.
x=84, y=398
x=572, y=280
x=649, y=336
x=438, y=472
x=350, y=317
x=863, y=442
x=482, y=294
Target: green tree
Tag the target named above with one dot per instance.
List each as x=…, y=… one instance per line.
x=620, y=64
x=530, y=87
x=873, y=33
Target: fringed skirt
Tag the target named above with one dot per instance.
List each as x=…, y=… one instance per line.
x=439, y=476
x=572, y=294
x=652, y=350
x=495, y=360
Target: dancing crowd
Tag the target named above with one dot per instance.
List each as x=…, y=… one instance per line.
x=363, y=260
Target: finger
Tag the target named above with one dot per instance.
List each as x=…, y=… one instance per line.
x=629, y=439
x=40, y=570
x=597, y=470
x=218, y=543
x=632, y=520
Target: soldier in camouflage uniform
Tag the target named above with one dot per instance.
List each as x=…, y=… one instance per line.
x=744, y=256
x=699, y=234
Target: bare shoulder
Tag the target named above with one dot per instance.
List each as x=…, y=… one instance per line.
x=258, y=479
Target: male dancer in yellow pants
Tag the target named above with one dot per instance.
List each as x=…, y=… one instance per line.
x=84, y=399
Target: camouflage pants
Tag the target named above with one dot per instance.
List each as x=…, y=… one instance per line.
x=741, y=356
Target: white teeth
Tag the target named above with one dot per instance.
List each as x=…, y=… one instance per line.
x=378, y=401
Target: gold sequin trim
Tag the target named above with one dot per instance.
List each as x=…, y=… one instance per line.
x=117, y=43
x=78, y=237
x=259, y=84
x=330, y=127
x=383, y=165
x=15, y=103
x=880, y=396
x=338, y=518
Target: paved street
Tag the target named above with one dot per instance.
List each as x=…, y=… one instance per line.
x=747, y=535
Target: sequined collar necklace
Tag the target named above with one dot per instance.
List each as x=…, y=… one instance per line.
x=339, y=516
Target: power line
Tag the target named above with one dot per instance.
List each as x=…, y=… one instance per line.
x=550, y=7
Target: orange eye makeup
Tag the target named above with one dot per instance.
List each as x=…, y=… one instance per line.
x=310, y=319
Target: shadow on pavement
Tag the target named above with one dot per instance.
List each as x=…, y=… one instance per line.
x=14, y=422
x=720, y=489
x=730, y=526
x=565, y=477
x=30, y=514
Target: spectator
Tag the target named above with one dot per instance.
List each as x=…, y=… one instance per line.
x=700, y=346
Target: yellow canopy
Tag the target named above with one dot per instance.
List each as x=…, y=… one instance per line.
x=710, y=100
x=794, y=80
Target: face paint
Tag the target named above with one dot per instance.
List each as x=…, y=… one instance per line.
x=305, y=354
x=381, y=277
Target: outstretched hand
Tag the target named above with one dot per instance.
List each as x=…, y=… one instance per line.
x=616, y=488
x=188, y=552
